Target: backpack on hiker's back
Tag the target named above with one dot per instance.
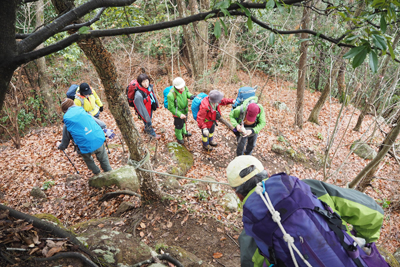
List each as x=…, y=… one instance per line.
x=244, y=93
x=165, y=94
x=86, y=133
x=72, y=91
x=196, y=104
x=317, y=231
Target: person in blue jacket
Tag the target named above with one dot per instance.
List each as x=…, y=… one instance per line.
x=87, y=135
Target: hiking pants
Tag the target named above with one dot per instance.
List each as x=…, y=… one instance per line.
x=251, y=143
x=207, y=139
x=180, y=127
x=102, y=157
x=148, y=127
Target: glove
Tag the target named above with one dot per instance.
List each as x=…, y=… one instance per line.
x=218, y=115
x=101, y=109
x=192, y=97
x=206, y=132
x=110, y=133
x=247, y=133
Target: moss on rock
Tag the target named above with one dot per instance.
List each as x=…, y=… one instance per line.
x=182, y=157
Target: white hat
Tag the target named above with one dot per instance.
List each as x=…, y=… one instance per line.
x=178, y=83
x=237, y=165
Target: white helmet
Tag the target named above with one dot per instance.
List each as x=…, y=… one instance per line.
x=237, y=165
x=178, y=83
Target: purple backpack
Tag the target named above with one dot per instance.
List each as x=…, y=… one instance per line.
x=317, y=231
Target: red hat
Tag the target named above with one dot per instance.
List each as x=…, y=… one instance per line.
x=252, y=111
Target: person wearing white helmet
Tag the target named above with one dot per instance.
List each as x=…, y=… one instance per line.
x=178, y=105
x=310, y=215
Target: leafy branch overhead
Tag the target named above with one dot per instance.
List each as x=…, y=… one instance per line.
x=368, y=36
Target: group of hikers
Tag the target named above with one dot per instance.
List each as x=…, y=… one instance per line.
x=248, y=118
x=287, y=221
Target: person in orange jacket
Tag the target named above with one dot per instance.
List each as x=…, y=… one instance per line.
x=208, y=115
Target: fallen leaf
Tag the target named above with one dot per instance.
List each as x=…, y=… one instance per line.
x=220, y=230
x=223, y=238
x=185, y=219
x=53, y=251
x=141, y=234
x=101, y=225
x=143, y=225
x=33, y=250
x=217, y=255
x=169, y=224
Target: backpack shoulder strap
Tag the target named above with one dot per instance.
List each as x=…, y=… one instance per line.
x=175, y=100
x=140, y=91
x=80, y=99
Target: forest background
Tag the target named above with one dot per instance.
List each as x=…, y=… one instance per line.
x=334, y=64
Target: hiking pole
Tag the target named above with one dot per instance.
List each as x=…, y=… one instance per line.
x=107, y=146
x=71, y=162
x=187, y=130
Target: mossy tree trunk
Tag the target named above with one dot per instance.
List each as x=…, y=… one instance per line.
x=105, y=67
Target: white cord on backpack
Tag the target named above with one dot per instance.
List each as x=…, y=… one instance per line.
x=277, y=218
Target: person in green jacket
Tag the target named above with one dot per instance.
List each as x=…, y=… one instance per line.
x=354, y=208
x=248, y=120
x=178, y=105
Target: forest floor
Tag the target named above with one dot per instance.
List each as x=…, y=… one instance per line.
x=71, y=199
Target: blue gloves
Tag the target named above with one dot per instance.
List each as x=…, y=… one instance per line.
x=110, y=133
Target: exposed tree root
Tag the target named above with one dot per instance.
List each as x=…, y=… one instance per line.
x=166, y=257
x=77, y=255
x=117, y=193
x=48, y=227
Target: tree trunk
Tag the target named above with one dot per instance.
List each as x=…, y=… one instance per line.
x=341, y=81
x=320, y=66
x=43, y=77
x=301, y=81
x=229, y=44
x=118, y=105
x=377, y=87
x=8, y=46
x=187, y=35
x=336, y=66
x=327, y=89
x=369, y=171
x=200, y=46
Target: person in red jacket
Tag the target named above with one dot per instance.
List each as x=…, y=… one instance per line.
x=208, y=115
x=141, y=96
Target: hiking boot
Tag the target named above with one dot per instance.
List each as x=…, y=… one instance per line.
x=188, y=134
x=181, y=142
x=207, y=148
x=213, y=143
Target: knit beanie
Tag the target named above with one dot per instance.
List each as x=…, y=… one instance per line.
x=66, y=104
x=216, y=96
